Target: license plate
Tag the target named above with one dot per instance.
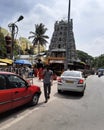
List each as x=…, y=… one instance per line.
x=69, y=81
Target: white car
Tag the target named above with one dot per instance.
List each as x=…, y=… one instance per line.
x=71, y=81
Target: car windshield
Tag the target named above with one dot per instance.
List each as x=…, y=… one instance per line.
x=71, y=73
x=101, y=70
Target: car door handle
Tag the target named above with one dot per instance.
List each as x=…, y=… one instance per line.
x=16, y=92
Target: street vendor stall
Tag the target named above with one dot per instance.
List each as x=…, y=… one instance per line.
x=3, y=64
x=8, y=61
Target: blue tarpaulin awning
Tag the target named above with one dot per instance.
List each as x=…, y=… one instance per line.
x=23, y=62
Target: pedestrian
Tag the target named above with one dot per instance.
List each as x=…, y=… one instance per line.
x=35, y=71
x=47, y=82
x=40, y=73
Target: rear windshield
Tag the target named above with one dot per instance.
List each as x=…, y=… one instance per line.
x=71, y=73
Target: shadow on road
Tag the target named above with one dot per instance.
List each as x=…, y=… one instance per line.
x=12, y=113
x=68, y=95
x=17, y=111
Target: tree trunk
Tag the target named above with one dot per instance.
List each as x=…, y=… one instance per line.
x=38, y=49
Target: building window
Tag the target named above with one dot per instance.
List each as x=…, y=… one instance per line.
x=59, y=46
x=61, y=28
x=60, y=33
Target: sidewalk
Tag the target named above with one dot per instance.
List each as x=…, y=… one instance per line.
x=39, y=83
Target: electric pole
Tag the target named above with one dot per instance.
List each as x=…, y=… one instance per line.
x=68, y=55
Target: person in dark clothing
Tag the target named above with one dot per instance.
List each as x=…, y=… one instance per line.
x=39, y=69
x=47, y=82
x=39, y=64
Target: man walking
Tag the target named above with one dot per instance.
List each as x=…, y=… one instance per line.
x=47, y=82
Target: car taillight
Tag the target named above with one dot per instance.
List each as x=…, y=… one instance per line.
x=59, y=80
x=81, y=81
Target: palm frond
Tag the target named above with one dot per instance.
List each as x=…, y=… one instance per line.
x=32, y=32
x=39, y=37
x=30, y=37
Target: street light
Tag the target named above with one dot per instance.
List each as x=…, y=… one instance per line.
x=14, y=31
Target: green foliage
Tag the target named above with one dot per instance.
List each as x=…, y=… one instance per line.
x=39, y=37
x=83, y=56
x=4, y=31
x=99, y=61
x=30, y=51
x=2, y=45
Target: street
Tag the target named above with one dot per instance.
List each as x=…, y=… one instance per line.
x=67, y=111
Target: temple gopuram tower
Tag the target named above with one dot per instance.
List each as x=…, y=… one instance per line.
x=62, y=50
x=57, y=48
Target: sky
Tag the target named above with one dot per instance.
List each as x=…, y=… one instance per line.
x=87, y=15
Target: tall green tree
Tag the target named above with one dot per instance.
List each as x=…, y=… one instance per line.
x=99, y=61
x=2, y=45
x=83, y=56
x=39, y=37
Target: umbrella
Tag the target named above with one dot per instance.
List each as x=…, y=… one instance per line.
x=3, y=64
x=8, y=61
x=24, y=62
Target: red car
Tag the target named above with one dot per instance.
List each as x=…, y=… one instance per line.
x=15, y=91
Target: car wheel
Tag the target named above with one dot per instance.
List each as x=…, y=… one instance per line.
x=35, y=100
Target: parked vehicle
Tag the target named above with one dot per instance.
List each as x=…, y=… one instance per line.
x=71, y=81
x=100, y=72
x=15, y=91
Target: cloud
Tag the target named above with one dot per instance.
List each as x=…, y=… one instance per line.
x=94, y=47
x=10, y=8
